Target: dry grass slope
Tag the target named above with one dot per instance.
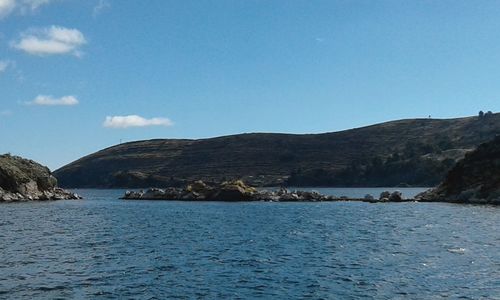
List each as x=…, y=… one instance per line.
x=269, y=158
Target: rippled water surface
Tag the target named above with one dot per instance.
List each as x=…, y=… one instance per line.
x=104, y=248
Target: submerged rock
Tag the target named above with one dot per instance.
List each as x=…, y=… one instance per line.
x=25, y=180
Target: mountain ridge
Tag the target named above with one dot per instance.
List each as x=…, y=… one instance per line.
x=272, y=158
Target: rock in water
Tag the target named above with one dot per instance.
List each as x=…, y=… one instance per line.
x=396, y=196
x=23, y=180
x=474, y=179
x=384, y=196
x=235, y=190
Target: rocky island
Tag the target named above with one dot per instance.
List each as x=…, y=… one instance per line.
x=238, y=191
x=25, y=180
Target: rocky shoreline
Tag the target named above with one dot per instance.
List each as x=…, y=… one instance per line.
x=237, y=191
x=55, y=194
x=25, y=180
x=475, y=179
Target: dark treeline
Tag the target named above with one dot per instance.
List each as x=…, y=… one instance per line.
x=417, y=164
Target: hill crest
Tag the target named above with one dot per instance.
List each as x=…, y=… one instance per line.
x=282, y=158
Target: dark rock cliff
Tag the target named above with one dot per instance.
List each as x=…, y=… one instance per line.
x=475, y=179
x=22, y=180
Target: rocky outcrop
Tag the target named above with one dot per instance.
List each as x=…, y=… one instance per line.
x=475, y=179
x=387, y=196
x=24, y=180
x=239, y=191
x=226, y=191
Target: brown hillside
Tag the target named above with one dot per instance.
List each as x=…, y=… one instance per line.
x=268, y=158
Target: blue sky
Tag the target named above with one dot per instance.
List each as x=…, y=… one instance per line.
x=78, y=76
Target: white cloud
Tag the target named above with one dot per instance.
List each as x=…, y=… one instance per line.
x=135, y=121
x=4, y=64
x=10, y=65
x=51, y=101
x=6, y=7
x=100, y=7
x=51, y=40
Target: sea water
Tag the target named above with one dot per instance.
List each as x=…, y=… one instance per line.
x=106, y=248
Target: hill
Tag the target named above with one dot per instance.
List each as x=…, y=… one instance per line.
x=412, y=152
x=475, y=179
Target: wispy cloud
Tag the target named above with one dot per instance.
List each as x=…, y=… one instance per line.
x=10, y=65
x=4, y=64
x=135, y=121
x=51, y=40
x=23, y=6
x=101, y=6
x=5, y=113
x=35, y=4
x=44, y=100
x=6, y=7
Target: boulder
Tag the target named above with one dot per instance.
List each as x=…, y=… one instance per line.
x=396, y=196
x=154, y=194
x=384, y=196
x=369, y=197
x=310, y=196
x=201, y=189
x=234, y=191
x=286, y=197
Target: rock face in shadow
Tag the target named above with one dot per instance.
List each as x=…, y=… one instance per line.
x=23, y=180
x=475, y=179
